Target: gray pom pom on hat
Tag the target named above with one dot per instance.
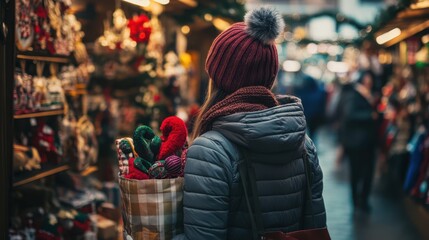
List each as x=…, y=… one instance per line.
x=264, y=24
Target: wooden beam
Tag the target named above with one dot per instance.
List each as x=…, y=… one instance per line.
x=413, y=13
x=40, y=114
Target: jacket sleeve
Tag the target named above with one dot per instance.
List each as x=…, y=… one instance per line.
x=316, y=218
x=206, y=191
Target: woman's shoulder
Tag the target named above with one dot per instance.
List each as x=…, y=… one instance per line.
x=212, y=149
x=215, y=141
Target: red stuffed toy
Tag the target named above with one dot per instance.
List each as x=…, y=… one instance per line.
x=174, y=134
x=134, y=173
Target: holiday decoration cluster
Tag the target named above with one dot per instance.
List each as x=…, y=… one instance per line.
x=122, y=51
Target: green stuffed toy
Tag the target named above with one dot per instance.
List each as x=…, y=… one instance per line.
x=147, y=146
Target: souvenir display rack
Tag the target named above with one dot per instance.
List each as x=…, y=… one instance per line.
x=48, y=39
x=49, y=145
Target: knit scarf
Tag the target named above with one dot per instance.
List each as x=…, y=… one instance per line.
x=247, y=99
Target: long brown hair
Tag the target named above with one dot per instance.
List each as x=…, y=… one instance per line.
x=213, y=96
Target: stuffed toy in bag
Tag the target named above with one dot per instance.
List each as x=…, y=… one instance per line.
x=174, y=134
x=146, y=144
x=129, y=170
x=150, y=156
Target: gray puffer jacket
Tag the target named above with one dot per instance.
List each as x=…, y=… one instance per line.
x=214, y=202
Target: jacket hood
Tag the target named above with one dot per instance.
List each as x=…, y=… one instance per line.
x=274, y=130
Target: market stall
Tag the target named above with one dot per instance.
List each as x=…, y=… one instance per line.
x=403, y=35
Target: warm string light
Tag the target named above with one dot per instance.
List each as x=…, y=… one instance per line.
x=146, y=3
x=337, y=67
x=291, y=66
x=141, y=3
x=387, y=36
x=221, y=24
x=163, y=2
x=208, y=17
x=425, y=39
x=185, y=29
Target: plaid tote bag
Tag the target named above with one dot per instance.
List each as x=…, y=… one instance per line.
x=152, y=209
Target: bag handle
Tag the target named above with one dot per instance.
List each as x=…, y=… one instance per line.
x=247, y=174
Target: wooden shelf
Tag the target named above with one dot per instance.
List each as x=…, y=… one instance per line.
x=39, y=114
x=23, y=178
x=88, y=171
x=76, y=92
x=80, y=86
x=43, y=57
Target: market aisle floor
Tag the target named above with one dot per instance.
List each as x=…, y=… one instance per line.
x=388, y=220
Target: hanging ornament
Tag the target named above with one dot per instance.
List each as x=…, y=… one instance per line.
x=140, y=29
x=24, y=25
x=42, y=27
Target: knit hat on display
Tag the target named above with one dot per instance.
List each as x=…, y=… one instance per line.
x=245, y=54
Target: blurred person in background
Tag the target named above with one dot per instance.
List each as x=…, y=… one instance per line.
x=358, y=124
x=334, y=93
x=313, y=97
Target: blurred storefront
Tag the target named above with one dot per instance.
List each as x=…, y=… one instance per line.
x=402, y=32
x=75, y=76
x=329, y=44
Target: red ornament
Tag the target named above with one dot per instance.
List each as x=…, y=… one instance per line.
x=139, y=28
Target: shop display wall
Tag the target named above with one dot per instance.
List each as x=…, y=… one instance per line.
x=7, y=39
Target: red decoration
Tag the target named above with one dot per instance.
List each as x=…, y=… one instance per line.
x=44, y=141
x=139, y=28
x=42, y=30
x=174, y=134
x=41, y=12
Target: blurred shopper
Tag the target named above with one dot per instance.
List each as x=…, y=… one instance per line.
x=332, y=117
x=242, y=114
x=313, y=97
x=358, y=136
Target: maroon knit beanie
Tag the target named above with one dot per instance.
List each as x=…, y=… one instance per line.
x=245, y=54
